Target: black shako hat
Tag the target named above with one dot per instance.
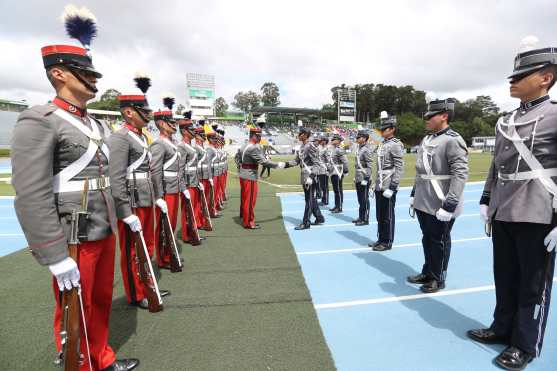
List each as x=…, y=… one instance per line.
x=532, y=59
x=81, y=25
x=436, y=107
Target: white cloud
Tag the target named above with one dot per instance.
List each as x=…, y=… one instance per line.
x=460, y=49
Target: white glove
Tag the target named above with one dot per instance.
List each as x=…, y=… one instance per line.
x=162, y=205
x=66, y=273
x=211, y=181
x=483, y=213
x=443, y=215
x=363, y=182
x=201, y=186
x=550, y=240
x=281, y=165
x=133, y=222
x=186, y=194
x=388, y=193
x=309, y=181
x=411, y=201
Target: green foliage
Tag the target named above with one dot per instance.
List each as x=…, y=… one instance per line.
x=221, y=106
x=246, y=101
x=4, y=152
x=270, y=94
x=107, y=102
x=180, y=109
x=411, y=129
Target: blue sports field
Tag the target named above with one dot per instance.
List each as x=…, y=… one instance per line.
x=373, y=319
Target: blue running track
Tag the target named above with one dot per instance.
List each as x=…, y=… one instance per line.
x=373, y=319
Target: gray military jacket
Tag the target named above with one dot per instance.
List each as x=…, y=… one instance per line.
x=325, y=160
x=390, y=165
x=43, y=145
x=525, y=200
x=129, y=156
x=250, y=156
x=364, y=162
x=203, y=165
x=447, y=157
x=164, y=167
x=212, y=160
x=339, y=161
x=188, y=166
x=307, y=157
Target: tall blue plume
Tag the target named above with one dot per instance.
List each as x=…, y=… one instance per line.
x=80, y=24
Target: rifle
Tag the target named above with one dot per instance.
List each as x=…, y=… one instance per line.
x=143, y=261
x=192, y=224
x=72, y=302
x=208, y=224
x=167, y=241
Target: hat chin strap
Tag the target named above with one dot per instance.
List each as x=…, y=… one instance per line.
x=140, y=115
x=83, y=81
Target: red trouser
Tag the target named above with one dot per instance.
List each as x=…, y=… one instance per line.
x=207, y=191
x=222, y=187
x=128, y=265
x=217, y=183
x=173, y=203
x=198, y=207
x=195, y=202
x=96, y=267
x=249, y=197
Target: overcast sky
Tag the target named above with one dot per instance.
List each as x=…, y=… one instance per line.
x=447, y=48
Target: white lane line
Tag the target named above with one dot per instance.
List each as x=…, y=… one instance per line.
x=371, y=223
x=403, y=206
x=344, y=304
x=7, y=197
x=7, y=217
x=11, y=234
x=368, y=249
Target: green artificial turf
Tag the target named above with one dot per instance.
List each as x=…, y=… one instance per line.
x=241, y=303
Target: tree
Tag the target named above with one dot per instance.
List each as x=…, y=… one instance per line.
x=180, y=109
x=107, y=102
x=246, y=101
x=221, y=106
x=270, y=94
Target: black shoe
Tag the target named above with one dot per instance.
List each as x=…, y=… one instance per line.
x=361, y=222
x=382, y=247
x=216, y=216
x=487, y=336
x=257, y=226
x=513, y=358
x=318, y=221
x=164, y=293
x=356, y=220
x=419, y=279
x=373, y=244
x=334, y=210
x=302, y=226
x=142, y=304
x=432, y=286
x=126, y=364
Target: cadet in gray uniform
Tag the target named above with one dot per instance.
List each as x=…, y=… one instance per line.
x=441, y=174
x=339, y=169
x=164, y=175
x=364, y=164
x=60, y=162
x=520, y=202
x=322, y=168
x=390, y=165
x=325, y=157
x=249, y=157
x=307, y=158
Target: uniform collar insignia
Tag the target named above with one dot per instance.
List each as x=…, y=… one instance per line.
x=528, y=105
x=67, y=106
x=133, y=129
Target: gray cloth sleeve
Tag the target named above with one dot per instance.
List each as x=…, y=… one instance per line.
x=119, y=154
x=489, y=182
x=33, y=143
x=457, y=158
x=397, y=155
x=157, y=162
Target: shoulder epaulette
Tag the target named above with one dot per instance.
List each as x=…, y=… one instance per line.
x=452, y=133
